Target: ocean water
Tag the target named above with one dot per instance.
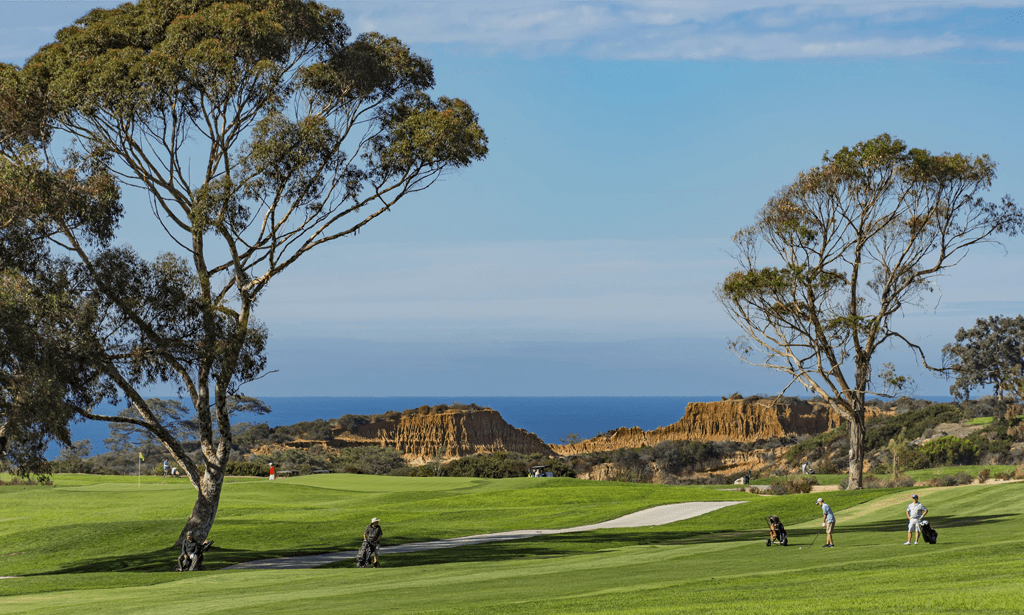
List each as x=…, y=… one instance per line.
x=551, y=418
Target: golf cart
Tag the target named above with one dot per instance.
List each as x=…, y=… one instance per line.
x=541, y=472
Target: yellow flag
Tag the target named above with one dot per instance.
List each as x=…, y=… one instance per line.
x=141, y=457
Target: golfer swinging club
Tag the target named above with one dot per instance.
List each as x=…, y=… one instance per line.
x=828, y=521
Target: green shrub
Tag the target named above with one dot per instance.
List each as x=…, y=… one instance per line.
x=26, y=481
x=950, y=450
x=248, y=436
x=305, y=430
x=377, y=460
x=912, y=425
x=415, y=471
x=299, y=460
x=793, y=484
x=901, y=481
x=350, y=422
x=498, y=465
x=73, y=466
x=676, y=456
x=914, y=460
x=875, y=482
x=816, y=445
x=904, y=405
x=952, y=480
x=829, y=466
x=354, y=460
x=632, y=476
x=984, y=406
x=246, y=468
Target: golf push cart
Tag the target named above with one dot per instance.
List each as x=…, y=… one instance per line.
x=184, y=565
x=776, y=532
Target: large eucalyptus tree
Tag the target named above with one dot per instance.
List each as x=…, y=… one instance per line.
x=257, y=130
x=991, y=353
x=850, y=244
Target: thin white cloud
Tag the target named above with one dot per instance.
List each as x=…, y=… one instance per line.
x=880, y=47
x=780, y=47
x=637, y=29
x=678, y=30
x=1015, y=46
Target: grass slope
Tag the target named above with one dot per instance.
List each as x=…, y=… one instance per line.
x=714, y=564
x=88, y=523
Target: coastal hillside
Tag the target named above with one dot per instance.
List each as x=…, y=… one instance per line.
x=714, y=442
x=444, y=433
x=745, y=420
x=438, y=433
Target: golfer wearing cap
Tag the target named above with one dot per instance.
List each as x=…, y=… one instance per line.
x=828, y=521
x=915, y=512
x=372, y=536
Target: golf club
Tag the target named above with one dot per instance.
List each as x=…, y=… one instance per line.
x=815, y=538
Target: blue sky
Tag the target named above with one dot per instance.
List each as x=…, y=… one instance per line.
x=628, y=142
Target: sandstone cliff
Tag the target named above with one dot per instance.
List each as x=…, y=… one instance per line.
x=755, y=461
x=444, y=433
x=425, y=434
x=736, y=420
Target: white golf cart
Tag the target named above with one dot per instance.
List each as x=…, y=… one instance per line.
x=541, y=472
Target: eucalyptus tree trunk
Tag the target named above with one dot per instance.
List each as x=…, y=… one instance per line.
x=207, y=502
x=856, y=433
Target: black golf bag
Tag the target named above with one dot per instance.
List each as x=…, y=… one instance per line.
x=365, y=554
x=930, y=535
x=197, y=562
x=776, y=532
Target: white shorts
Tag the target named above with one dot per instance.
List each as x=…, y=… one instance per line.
x=914, y=525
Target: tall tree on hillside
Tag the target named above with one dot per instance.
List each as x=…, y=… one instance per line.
x=991, y=353
x=851, y=243
x=258, y=131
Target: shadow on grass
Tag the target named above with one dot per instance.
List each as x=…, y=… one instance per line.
x=937, y=521
x=166, y=560
x=553, y=546
x=566, y=545
x=162, y=560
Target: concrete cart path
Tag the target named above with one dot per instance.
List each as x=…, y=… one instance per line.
x=659, y=515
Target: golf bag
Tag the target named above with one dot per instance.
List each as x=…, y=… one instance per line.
x=366, y=552
x=930, y=535
x=776, y=532
x=197, y=561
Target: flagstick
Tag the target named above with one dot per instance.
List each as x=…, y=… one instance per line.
x=140, y=470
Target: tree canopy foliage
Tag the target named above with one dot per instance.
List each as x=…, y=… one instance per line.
x=850, y=244
x=989, y=354
x=256, y=130
x=46, y=325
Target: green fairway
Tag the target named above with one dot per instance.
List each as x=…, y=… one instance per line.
x=87, y=523
x=60, y=537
